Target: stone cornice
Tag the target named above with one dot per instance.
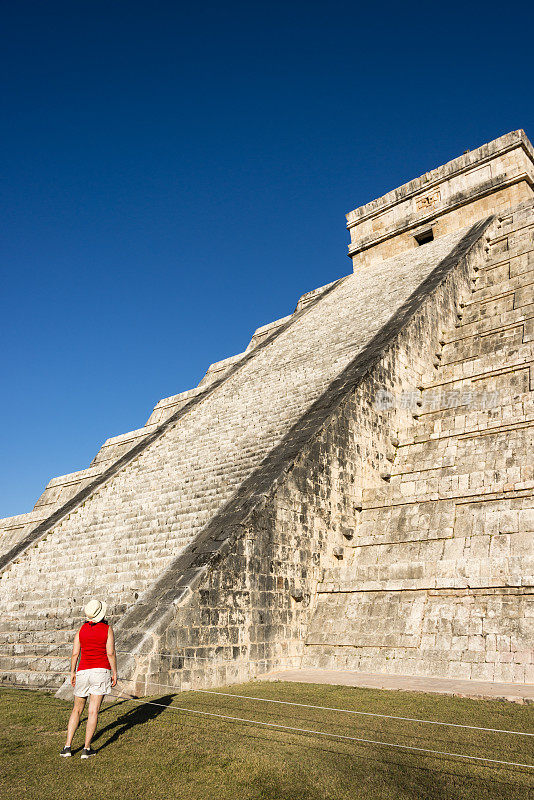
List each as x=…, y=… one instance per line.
x=462, y=164
x=366, y=244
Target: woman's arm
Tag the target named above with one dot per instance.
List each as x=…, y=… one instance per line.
x=74, y=658
x=110, y=650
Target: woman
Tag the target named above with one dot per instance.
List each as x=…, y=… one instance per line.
x=97, y=672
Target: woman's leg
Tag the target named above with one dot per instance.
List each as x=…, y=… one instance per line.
x=74, y=721
x=92, y=717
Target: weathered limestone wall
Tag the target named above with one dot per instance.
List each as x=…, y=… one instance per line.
x=440, y=580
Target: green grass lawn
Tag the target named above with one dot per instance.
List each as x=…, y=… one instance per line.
x=147, y=751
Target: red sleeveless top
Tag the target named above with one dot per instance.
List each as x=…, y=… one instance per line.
x=93, y=638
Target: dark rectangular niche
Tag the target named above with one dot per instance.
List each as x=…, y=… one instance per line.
x=424, y=237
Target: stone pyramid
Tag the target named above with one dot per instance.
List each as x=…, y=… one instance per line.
x=354, y=490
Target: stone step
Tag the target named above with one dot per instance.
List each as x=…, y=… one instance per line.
x=496, y=341
x=31, y=679
x=483, y=371
x=470, y=411
x=122, y=568
x=515, y=236
x=66, y=582
x=130, y=544
x=36, y=627
x=33, y=638
x=38, y=649
x=426, y=573
x=475, y=310
x=497, y=284
x=512, y=352
x=464, y=422
x=490, y=323
x=53, y=605
x=29, y=663
x=419, y=480
x=124, y=558
x=461, y=454
x=513, y=262
x=389, y=495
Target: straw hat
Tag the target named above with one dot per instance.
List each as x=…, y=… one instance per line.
x=95, y=610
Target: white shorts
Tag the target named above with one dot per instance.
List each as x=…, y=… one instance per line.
x=92, y=681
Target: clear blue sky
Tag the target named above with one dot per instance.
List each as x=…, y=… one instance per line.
x=175, y=175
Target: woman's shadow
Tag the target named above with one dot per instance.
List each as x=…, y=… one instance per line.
x=135, y=716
